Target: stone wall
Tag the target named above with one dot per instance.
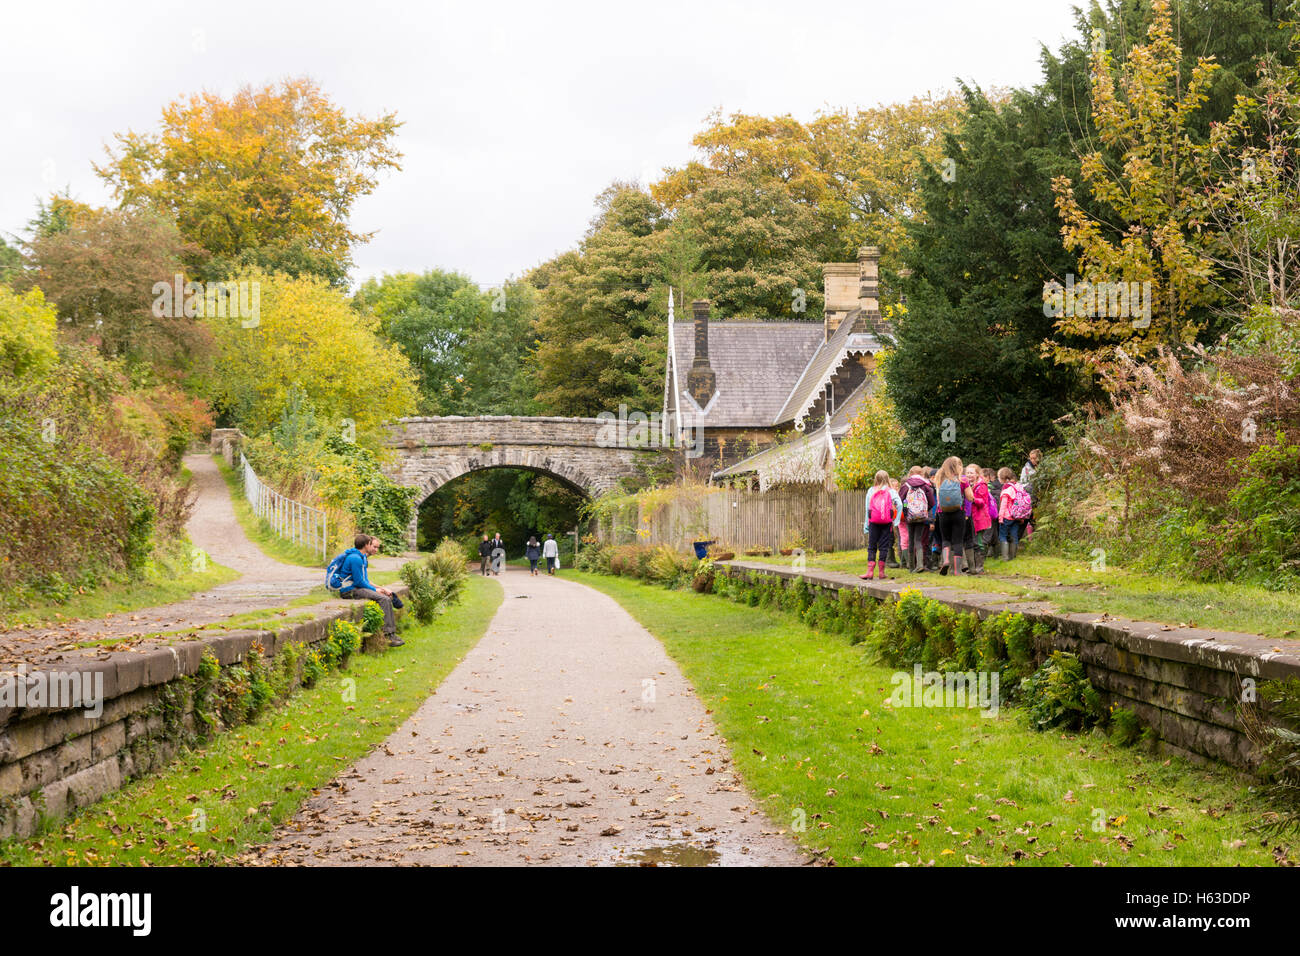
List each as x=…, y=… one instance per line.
x=54, y=761
x=1184, y=683
x=225, y=442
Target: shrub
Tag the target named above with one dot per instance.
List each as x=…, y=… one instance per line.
x=1059, y=694
x=346, y=636
x=1125, y=728
x=372, y=618
x=437, y=582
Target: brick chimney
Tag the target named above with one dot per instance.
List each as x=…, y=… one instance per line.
x=869, y=284
x=701, y=381
x=840, y=281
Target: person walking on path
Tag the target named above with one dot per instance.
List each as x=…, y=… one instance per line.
x=358, y=587
x=551, y=552
x=484, y=555
x=497, y=545
x=918, y=502
x=533, y=552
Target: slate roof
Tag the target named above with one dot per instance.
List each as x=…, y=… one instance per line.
x=823, y=365
x=790, y=457
x=756, y=363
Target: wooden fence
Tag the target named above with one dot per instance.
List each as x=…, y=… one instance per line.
x=815, y=518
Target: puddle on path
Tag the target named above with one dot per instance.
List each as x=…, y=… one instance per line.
x=671, y=854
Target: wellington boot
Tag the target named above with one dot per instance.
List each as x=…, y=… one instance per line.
x=1015, y=546
x=1005, y=547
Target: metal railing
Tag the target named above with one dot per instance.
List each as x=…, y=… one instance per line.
x=291, y=520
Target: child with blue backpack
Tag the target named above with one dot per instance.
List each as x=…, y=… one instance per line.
x=953, y=493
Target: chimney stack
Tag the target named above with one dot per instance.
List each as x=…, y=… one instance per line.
x=869, y=284
x=701, y=381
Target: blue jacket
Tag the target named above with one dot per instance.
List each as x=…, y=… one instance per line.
x=354, y=566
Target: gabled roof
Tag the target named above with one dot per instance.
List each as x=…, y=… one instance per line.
x=805, y=458
x=822, y=367
x=756, y=363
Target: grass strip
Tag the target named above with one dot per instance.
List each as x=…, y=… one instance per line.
x=259, y=531
x=863, y=783
x=169, y=576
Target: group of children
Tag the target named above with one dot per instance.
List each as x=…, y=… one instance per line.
x=943, y=515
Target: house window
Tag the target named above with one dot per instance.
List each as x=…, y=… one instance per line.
x=830, y=399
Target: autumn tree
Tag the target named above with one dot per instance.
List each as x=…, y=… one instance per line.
x=1255, y=199
x=751, y=247
x=27, y=326
x=308, y=344
x=1149, y=173
x=873, y=442
x=600, y=340
x=101, y=266
x=267, y=178
x=856, y=171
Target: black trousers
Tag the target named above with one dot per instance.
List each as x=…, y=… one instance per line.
x=880, y=538
x=952, y=529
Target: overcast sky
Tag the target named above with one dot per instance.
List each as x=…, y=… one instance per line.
x=516, y=114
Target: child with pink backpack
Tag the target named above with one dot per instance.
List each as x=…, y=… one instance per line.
x=882, y=511
x=1014, y=508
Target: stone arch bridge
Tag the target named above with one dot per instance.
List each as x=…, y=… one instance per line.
x=584, y=453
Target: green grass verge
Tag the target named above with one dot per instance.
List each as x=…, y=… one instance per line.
x=168, y=577
x=250, y=780
x=1072, y=586
x=805, y=718
x=259, y=532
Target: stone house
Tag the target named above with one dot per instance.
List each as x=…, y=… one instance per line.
x=769, y=398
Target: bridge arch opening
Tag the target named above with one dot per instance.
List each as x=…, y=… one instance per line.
x=517, y=501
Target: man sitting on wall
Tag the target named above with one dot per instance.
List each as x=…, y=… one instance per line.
x=357, y=584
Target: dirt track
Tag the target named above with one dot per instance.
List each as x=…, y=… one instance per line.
x=213, y=528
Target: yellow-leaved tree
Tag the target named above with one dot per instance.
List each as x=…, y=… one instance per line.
x=872, y=442
x=306, y=340
x=1146, y=274
x=266, y=178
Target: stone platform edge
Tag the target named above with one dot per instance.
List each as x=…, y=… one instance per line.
x=1182, y=682
x=56, y=760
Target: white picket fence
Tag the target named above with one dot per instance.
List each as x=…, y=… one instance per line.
x=291, y=520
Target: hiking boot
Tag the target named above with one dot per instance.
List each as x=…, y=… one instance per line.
x=395, y=641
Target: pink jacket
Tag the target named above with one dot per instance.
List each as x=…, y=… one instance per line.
x=981, y=519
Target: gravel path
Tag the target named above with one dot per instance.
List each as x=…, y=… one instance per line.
x=567, y=736
x=213, y=528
